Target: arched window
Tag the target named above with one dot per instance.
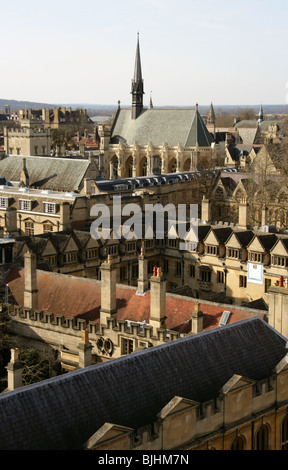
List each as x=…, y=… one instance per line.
x=262, y=438
x=172, y=167
x=129, y=167
x=238, y=443
x=114, y=168
x=143, y=167
x=284, y=438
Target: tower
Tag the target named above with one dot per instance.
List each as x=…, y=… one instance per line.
x=211, y=116
x=137, y=89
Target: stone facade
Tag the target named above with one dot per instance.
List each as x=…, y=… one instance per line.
x=258, y=422
x=27, y=141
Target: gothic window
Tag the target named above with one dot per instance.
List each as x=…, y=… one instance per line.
x=172, y=166
x=262, y=438
x=284, y=443
x=114, y=169
x=143, y=168
x=129, y=167
x=238, y=443
x=219, y=194
x=187, y=164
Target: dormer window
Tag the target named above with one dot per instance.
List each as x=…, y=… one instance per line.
x=256, y=257
x=281, y=261
x=212, y=250
x=234, y=253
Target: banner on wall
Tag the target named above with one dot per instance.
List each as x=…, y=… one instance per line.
x=255, y=273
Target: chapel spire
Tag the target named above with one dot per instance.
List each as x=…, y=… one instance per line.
x=260, y=114
x=137, y=89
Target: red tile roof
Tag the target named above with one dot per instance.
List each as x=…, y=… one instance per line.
x=72, y=296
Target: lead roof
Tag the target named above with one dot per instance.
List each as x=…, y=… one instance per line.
x=159, y=125
x=65, y=411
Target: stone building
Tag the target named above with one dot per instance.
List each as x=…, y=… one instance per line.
x=50, y=311
x=225, y=389
x=41, y=194
x=145, y=141
x=27, y=140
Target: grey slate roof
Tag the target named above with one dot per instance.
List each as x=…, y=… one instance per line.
x=159, y=125
x=64, y=412
x=59, y=174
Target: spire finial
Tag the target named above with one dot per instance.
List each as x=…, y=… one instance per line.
x=137, y=85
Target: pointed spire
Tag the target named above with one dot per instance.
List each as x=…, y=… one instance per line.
x=151, y=103
x=260, y=114
x=137, y=68
x=211, y=115
x=137, y=90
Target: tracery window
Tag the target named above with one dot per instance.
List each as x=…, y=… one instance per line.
x=238, y=443
x=262, y=438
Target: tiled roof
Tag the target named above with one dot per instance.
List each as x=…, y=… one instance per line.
x=65, y=411
x=81, y=297
x=59, y=174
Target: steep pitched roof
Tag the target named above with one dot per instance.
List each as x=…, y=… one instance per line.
x=65, y=411
x=159, y=125
x=59, y=174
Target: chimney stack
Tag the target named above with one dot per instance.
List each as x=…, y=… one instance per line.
x=206, y=210
x=142, y=272
x=197, y=319
x=264, y=215
x=243, y=218
x=157, y=300
x=30, y=280
x=108, y=291
x=15, y=370
x=85, y=348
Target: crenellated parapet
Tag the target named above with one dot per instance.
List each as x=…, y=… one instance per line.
x=108, y=339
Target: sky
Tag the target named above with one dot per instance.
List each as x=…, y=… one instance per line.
x=192, y=51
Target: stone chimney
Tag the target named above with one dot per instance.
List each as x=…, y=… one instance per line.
x=108, y=291
x=64, y=215
x=30, y=281
x=142, y=272
x=243, y=217
x=157, y=300
x=197, y=319
x=85, y=349
x=24, y=175
x=278, y=307
x=11, y=222
x=206, y=210
x=14, y=371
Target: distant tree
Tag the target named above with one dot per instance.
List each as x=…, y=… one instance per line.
x=36, y=368
x=246, y=114
x=224, y=119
